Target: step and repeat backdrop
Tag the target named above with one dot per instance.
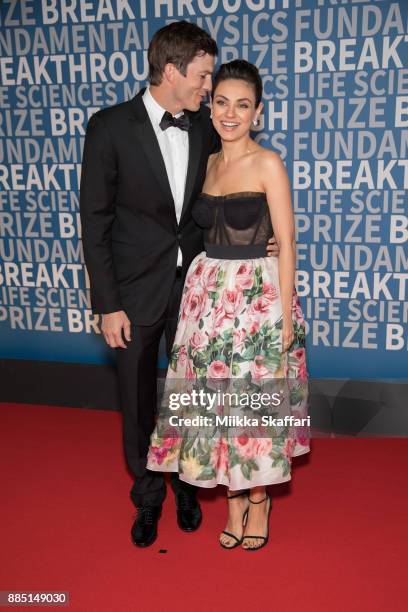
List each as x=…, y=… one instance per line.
x=335, y=77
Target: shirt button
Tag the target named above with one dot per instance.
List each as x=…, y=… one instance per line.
x=178, y=236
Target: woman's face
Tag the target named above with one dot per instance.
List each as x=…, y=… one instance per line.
x=233, y=109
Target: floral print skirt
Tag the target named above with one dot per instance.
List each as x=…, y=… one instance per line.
x=229, y=337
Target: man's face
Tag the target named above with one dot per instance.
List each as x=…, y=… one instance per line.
x=192, y=89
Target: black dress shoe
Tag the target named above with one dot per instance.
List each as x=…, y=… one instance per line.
x=144, y=530
x=189, y=514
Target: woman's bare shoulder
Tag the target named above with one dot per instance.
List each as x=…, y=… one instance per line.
x=271, y=170
x=270, y=160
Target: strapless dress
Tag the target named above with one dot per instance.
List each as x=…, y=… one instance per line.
x=228, y=347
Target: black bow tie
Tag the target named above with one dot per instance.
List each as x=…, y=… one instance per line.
x=183, y=122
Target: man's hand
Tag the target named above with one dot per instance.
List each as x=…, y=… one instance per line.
x=112, y=326
x=272, y=248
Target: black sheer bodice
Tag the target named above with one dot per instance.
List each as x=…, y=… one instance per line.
x=236, y=226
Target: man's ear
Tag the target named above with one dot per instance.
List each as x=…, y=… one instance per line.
x=169, y=72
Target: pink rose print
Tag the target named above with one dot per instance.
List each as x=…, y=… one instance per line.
x=263, y=303
x=245, y=447
x=158, y=453
x=270, y=291
x=302, y=373
x=257, y=369
x=218, y=369
x=289, y=448
x=244, y=278
x=219, y=455
x=239, y=337
x=264, y=446
x=254, y=328
x=182, y=356
x=228, y=307
x=260, y=306
x=193, y=303
x=218, y=318
x=243, y=439
x=170, y=437
x=249, y=448
x=190, y=374
x=299, y=355
x=231, y=301
x=209, y=278
x=297, y=309
x=194, y=277
x=302, y=436
x=198, y=341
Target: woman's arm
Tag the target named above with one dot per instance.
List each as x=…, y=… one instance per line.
x=276, y=184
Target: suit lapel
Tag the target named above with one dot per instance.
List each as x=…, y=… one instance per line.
x=147, y=138
x=194, y=155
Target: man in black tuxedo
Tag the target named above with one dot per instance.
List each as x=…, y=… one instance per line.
x=144, y=164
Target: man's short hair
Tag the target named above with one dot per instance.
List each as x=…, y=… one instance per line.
x=177, y=43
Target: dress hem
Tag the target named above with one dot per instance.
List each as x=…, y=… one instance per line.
x=212, y=485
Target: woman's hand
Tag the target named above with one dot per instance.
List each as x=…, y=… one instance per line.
x=272, y=247
x=288, y=334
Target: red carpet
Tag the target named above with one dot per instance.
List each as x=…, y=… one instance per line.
x=338, y=537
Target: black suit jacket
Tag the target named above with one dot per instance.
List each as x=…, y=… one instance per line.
x=129, y=228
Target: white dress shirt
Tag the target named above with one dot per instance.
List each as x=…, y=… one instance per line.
x=173, y=144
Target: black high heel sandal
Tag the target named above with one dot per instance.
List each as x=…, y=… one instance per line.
x=238, y=541
x=264, y=538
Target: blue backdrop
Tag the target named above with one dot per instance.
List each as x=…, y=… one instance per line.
x=336, y=109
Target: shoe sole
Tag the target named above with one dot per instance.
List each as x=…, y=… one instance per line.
x=144, y=544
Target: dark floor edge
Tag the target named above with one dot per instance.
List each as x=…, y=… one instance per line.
x=349, y=407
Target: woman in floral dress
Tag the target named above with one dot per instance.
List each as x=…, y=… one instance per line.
x=240, y=330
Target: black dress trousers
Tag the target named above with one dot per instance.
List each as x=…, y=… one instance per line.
x=137, y=371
